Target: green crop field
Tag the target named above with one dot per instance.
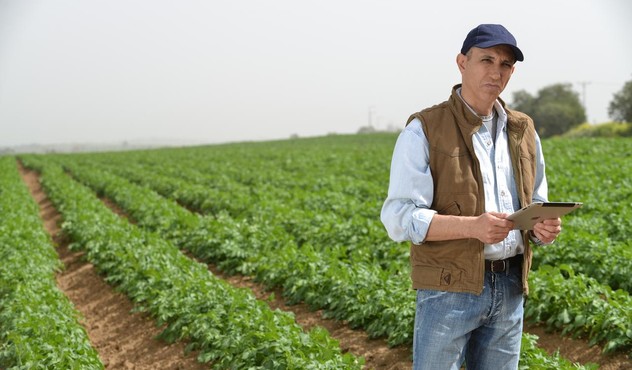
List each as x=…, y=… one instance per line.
x=302, y=215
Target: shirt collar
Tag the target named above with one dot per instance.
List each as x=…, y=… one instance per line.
x=502, y=115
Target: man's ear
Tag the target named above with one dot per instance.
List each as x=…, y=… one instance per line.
x=460, y=61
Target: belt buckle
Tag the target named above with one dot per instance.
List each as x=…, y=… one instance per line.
x=503, y=268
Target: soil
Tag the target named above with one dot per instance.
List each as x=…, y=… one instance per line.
x=578, y=350
x=123, y=339
x=376, y=352
x=126, y=340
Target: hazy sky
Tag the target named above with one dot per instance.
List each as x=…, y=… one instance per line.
x=90, y=71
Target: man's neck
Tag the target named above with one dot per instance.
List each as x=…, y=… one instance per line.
x=482, y=108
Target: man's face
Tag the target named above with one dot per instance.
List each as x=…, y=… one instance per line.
x=486, y=72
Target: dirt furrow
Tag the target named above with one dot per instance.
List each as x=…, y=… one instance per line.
x=124, y=340
x=126, y=350
x=376, y=352
x=578, y=350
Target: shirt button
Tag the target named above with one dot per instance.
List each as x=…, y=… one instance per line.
x=502, y=193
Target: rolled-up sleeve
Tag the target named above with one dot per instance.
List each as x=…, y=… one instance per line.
x=541, y=189
x=406, y=212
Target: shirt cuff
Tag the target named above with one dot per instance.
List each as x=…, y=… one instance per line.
x=535, y=239
x=421, y=218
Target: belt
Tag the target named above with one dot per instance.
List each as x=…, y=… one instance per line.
x=503, y=265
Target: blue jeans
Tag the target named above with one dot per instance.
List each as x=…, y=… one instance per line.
x=483, y=330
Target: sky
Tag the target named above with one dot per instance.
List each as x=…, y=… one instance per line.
x=214, y=71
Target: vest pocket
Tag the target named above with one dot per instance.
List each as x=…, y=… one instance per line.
x=433, y=276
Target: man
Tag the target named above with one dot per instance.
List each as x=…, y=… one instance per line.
x=458, y=170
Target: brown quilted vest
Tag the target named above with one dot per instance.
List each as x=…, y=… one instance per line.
x=458, y=265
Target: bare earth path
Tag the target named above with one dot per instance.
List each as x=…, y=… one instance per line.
x=379, y=356
x=376, y=352
x=577, y=350
x=125, y=340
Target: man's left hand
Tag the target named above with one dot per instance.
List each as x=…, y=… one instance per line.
x=547, y=230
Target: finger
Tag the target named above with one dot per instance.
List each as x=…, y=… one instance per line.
x=548, y=236
x=552, y=229
x=544, y=227
x=552, y=221
x=541, y=234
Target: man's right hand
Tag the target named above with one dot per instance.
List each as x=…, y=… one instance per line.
x=492, y=227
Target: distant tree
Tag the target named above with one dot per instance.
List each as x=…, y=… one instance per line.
x=620, y=108
x=523, y=101
x=366, y=130
x=555, y=110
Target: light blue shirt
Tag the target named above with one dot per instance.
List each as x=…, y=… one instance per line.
x=406, y=212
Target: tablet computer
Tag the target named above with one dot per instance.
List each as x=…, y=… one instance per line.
x=525, y=218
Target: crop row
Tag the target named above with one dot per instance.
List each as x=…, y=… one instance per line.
x=345, y=181
x=152, y=211
x=181, y=293
x=579, y=305
x=39, y=328
x=362, y=294
x=600, y=315
x=596, y=239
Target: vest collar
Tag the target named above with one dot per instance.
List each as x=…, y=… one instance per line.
x=471, y=122
x=460, y=109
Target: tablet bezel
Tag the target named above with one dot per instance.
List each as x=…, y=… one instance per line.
x=527, y=217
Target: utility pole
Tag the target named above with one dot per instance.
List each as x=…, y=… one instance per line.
x=584, y=84
x=371, y=109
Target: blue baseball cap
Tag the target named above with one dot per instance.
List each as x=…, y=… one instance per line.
x=488, y=35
